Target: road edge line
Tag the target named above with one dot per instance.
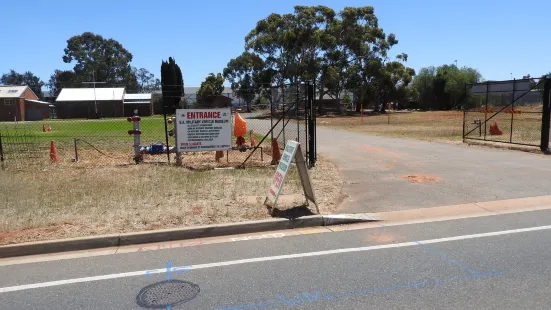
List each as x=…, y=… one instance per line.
x=164, y=235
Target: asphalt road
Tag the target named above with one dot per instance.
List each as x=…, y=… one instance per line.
x=495, y=262
x=376, y=171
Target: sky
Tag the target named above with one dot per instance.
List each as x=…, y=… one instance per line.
x=502, y=39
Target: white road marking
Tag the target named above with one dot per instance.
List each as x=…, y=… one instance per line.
x=257, y=237
x=269, y=258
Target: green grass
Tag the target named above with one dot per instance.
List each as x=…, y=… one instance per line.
x=109, y=136
x=151, y=127
x=113, y=130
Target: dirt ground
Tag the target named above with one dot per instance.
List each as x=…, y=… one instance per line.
x=67, y=201
x=445, y=126
x=442, y=126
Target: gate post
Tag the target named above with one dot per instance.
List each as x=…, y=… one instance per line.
x=1, y=151
x=311, y=126
x=546, y=116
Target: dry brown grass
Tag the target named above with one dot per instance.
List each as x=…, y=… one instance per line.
x=79, y=200
x=431, y=126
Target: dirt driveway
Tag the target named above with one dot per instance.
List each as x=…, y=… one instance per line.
x=384, y=174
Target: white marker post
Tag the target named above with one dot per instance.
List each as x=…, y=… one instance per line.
x=292, y=151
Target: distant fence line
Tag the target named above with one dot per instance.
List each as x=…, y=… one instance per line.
x=99, y=142
x=512, y=112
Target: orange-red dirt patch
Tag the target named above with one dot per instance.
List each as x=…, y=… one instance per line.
x=381, y=238
x=421, y=178
x=370, y=148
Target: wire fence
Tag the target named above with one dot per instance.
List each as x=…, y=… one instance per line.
x=20, y=148
x=505, y=112
x=272, y=114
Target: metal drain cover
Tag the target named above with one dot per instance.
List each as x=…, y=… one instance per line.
x=167, y=293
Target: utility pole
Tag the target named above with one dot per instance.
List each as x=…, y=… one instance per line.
x=95, y=100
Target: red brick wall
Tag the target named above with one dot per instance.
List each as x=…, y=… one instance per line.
x=21, y=109
x=29, y=95
x=8, y=113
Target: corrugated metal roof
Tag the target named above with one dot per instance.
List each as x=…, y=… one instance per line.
x=137, y=102
x=137, y=97
x=88, y=94
x=37, y=101
x=7, y=91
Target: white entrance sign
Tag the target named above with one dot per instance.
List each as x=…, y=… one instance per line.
x=200, y=130
x=292, y=151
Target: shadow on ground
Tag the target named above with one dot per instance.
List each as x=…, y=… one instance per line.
x=292, y=213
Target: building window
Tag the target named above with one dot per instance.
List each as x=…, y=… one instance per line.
x=8, y=101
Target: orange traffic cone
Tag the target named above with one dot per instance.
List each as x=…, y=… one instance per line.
x=49, y=128
x=253, y=140
x=494, y=129
x=240, y=126
x=43, y=128
x=53, y=152
x=276, y=153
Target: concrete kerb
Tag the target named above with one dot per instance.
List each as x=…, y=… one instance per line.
x=95, y=242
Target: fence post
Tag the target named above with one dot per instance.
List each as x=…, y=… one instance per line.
x=178, y=153
x=311, y=127
x=486, y=109
x=165, y=108
x=464, y=122
x=546, y=116
x=512, y=111
x=1, y=151
x=75, y=140
x=297, y=109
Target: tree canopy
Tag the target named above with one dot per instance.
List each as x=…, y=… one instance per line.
x=339, y=51
x=248, y=76
x=443, y=87
x=213, y=85
x=27, y=78
x=100, y=59
x=146, y=80
x=172, y=84
x=103, y=60
x=62, y=79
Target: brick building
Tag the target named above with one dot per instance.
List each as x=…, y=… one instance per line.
x=20, y=103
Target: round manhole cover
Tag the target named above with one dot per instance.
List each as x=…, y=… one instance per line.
x=167, y=293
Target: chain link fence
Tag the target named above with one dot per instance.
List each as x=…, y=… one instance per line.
x=19, y=147
x=505, y=112
x=271, y=114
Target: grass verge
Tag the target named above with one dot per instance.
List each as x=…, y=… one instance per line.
x=65, y=201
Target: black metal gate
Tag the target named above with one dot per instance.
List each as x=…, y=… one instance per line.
x=512, y=112
x=292, y=117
